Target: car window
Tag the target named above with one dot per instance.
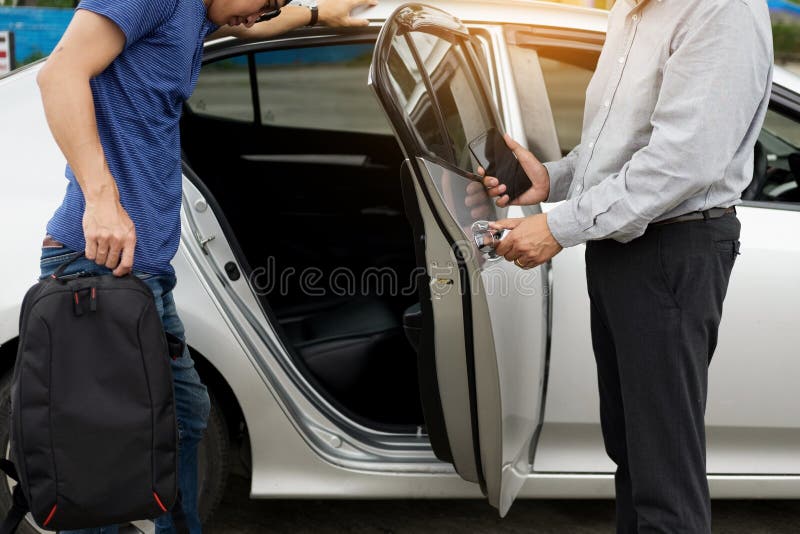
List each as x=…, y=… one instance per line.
x=780, y=140
x=223, y=90
x=320, y=88
x=566, y=87
x=464, y=107
x=413, y=97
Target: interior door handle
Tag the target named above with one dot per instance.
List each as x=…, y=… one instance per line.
x=487, y=239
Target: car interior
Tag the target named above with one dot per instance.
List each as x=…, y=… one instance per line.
x=776, y=175
x=310, y=186
x=302, y=163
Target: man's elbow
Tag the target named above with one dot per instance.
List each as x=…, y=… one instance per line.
x=43, y=77
x=48, y=75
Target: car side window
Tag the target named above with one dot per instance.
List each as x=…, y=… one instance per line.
x=463, y=105
x=566, y=83
x=223, y=91
x=777, y=165
x=319, y=88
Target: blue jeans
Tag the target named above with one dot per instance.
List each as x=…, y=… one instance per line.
x=191, y=397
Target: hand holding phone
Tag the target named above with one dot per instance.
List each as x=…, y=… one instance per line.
x=525, y=181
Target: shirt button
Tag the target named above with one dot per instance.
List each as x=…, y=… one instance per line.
x=622, y=59
x=635, y=18
x=591, y=144
x=606, y=103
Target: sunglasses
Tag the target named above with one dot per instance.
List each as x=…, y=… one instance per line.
x=272, y=10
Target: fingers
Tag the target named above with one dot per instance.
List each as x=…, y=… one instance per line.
x=506, y=249
x=512, y=145
x=126, y=264
x=494, y=187
x=101, y=250
x=112, y=260
x=91, y=249
x=506, y=224
x=356, y=23
x=502, y=202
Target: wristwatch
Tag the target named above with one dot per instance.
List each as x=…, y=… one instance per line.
x=310, y=4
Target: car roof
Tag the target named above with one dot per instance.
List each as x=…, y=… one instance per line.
x=787, y=79
x=509, y=12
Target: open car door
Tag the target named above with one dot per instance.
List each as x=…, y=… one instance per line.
x=483, y=320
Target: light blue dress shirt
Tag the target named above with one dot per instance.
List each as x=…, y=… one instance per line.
x=672, y=114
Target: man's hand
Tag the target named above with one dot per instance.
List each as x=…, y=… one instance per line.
x=110, y=233
x=540, y=179
x=529, y=243
x=336, y=13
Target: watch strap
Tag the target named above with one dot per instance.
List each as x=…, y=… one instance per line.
x=314, y=15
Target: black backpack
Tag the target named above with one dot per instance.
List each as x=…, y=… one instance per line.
x=93, y=430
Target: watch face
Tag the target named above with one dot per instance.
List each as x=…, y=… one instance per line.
x=304, y=3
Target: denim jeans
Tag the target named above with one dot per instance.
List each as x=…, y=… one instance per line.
x=191, y=397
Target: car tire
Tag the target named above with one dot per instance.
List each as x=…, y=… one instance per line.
x=213, y=461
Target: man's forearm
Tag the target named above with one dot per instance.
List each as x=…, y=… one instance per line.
x=69, y=108
x=291, y=17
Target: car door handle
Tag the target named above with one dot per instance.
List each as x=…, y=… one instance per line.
x=486, y=239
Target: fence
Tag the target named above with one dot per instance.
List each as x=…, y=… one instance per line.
x=36, y=30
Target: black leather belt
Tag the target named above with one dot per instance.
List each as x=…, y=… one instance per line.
x=713, y=213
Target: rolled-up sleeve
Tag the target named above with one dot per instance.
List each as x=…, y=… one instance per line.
x=713, y=84
x=561, y=174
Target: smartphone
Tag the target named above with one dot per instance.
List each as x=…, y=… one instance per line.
x=492, y=153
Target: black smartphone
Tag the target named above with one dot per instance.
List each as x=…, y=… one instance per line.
x=492, y=153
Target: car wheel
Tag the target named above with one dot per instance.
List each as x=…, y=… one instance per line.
x=213, y=462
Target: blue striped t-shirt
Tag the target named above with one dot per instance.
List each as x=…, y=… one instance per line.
x=138, y=101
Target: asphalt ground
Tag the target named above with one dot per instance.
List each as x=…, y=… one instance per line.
x=240, y=515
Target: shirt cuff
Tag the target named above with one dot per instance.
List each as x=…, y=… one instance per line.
x=564, y=225
x=560, y=179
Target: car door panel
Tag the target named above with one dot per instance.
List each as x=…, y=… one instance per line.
x=488, y=339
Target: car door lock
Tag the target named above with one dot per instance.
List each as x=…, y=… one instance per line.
x=204, y=241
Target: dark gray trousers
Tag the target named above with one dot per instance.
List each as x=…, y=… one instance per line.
x=656, y=304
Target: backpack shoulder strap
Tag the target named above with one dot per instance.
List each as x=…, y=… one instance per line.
x=19, y=506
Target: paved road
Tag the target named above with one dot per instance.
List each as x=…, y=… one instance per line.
x=238, y=515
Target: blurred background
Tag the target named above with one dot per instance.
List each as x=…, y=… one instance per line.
x=30, y=29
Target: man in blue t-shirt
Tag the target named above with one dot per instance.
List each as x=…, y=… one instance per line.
x=113, y=91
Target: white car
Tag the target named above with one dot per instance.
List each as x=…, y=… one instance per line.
x=356, y=340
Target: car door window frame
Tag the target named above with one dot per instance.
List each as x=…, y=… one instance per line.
x=786, y=103
x=467, y=42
